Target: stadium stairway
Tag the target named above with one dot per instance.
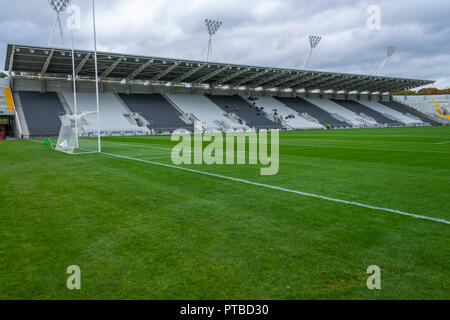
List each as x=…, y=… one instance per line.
x=64, y=103
x=159, y=113
x=8, y=99
x=391, y=113
x=41, y=111
x=361, y=110
x=244, y=110
x=298, y=123
x=211, y=116
x=8, y=107
x=114, y=118
x=303, y=106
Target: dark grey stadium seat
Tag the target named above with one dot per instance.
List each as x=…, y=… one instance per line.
x=156, y=110
x=247, y=112
x=358, y=108
x=42, y=111
x=302, y=106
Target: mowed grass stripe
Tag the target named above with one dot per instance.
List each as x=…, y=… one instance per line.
x=140, y=231
x=381, y=178
x=306, y=194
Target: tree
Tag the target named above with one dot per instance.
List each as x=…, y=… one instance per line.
x=428, y=91
x=424, y=92
x=2, y=75
x=408, y=93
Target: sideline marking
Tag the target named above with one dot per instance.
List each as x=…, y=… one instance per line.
x=292, y=146
x=138, y=145
x=282, y=189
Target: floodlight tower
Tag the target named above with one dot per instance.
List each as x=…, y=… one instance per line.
x=212, y=26
x=390, y=53
x=58, y=6
x=313, y=43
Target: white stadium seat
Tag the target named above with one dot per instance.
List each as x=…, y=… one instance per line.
x=211, y=116
x=391, y=112
x=425, y=104
x=334, y=108
x=112, y=112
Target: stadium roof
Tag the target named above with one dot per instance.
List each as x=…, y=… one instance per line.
x=54, y=61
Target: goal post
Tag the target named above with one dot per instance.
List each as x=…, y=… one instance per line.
x=75, y=136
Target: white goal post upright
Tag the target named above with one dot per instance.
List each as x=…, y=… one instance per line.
x=74, y=79
x=96, y=78
x=81, y=124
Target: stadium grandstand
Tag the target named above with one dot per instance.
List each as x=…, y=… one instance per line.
x=426, y=104
x=144, y=177
x=142, y=95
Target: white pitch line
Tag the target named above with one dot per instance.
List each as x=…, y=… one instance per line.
x=159, y=157
x=162, y=148
x=443, y=142
x=138, y=145
x=293, y=146
x=283, y=189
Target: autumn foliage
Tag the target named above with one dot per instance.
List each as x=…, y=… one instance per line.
x=433, y=91
x=424, y=92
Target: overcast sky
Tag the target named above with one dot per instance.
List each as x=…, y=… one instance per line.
x=259, y=32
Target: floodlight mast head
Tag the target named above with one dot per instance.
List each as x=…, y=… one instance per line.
x=389, y=54
x=313, y=43
x=59, y=6
x=212, y=26
x=391, y=51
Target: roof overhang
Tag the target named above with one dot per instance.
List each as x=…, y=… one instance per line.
x=51, y=62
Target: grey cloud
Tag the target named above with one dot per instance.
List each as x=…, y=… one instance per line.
x=261, y=32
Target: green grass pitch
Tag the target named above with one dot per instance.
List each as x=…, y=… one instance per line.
x=143, y=231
